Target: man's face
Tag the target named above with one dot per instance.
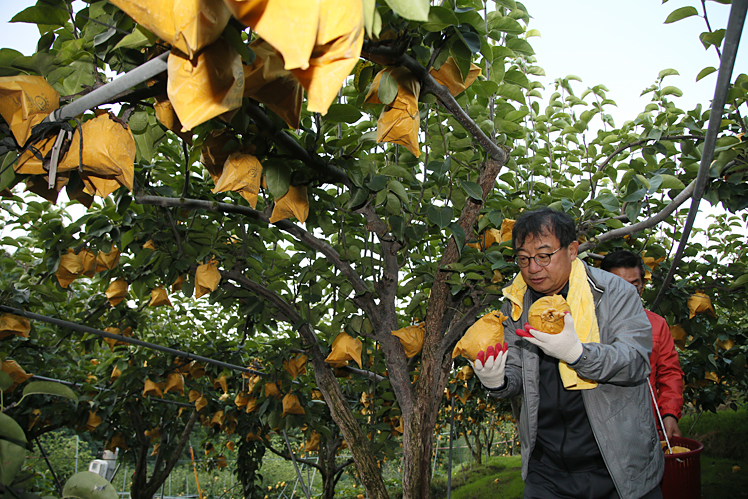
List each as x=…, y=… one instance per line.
x=632, y=276
x=551, y=279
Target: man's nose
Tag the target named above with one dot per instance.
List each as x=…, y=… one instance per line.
x=533, y=266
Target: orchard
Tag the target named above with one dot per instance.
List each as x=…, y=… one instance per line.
x=276, y=223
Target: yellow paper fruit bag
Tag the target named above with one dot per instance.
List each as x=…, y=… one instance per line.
x=485, y=240
x=400, y=119
x=88, y=260
x=268, y=82
x=207, y=278
x=699, y=303
x=32, y=159
x=312, y=443
x=107, y=261
x=216, y=150
x=449, y=75
x=547, y=314
x=241, y=173
x=189, y=25
x=14, y=325
x=506, y=229
x=295, y=366
x=487, y=331
x=159, y=297
x=344, y=348
x=291, y=405
x=117, y=291
x=207, y=86
x=25, y=101
x=152, y=388
x=69, y=268
x=292, y=203
x=411, y=338
x=17, y=374
x=114, y=342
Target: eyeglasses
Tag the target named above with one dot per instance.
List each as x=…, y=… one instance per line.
x=542, y=259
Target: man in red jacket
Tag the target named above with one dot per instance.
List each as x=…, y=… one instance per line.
x=666, y=377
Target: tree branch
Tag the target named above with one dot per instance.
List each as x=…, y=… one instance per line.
x=644, y=141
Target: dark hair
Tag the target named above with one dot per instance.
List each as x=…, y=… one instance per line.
x=541, y=222
x=623, y=259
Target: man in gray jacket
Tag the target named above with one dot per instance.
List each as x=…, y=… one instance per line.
x=586, y=425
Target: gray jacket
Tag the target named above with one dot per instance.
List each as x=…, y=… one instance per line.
x=619, y=408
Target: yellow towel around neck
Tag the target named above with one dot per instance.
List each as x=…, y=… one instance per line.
x=582, y=307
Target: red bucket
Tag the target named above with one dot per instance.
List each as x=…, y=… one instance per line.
x=682, y=479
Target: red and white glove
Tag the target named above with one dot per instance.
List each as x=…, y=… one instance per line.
x=489, y=366
x=564, y=346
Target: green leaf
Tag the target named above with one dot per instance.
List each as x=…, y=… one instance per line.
x=504, y=24
x=7, y=175
x=7, y=56
x=473, y=190
x=5, y=381
x=681, y=13
x=705, y=72
x=459, y=234
x=140, y=37
x=372, y=18
x=670, y=90
x=671, y=182
x=278, y=177
x=12, y=455
x=413, y=10
x=740, y=281
x=609, y=201
x=509, y=91
x=343, y=113
x=377, y=183
x=88, y=485
x=387, y=88
x=667, y=72
x=42, y=15
x=440, y=18
x=234, y=37
x=397, y=224
x=520, y=46
x=49, y=388
x=440, y=217
x=398, y=189
x=82, y=77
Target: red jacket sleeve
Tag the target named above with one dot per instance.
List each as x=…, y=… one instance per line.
x=666, y=376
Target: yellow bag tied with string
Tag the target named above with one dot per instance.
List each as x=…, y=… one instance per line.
x=117, y=291
x=221, y=383
x=217, y=419
x=485, y=332
x=17, y=374
x=400, y=119
x=699, y=303
x=69, y=268
x=117, y=442
x=292, y=203
x=197, y=370
x=411, y=338
x=207, y=278
x=506, y=229
x=107, y=261
x=25, y=101
x=189, y=25
x=93, y=421
x=345, y=348
x=268, y=82
x=207, y=86
x=153, y=434
x=159, y=297
x=88, y=260
x=679, y=336
x=116, y=373
x=15, y=325
x=320, y=41
x=241, y=173
x=251, y=404
x=108, y=150
x=489, y=237
x=193, y=395
x=177, y=284
x=31, y=161
x=200, y=403
x=152, y=388
x=216, y=150
x=450, y=76
x=271, y=390
x=166, y=115
x=241, y=400
x=465, y=373
x=254, y=379
x=295, y=366
x=652, y=263
x=291, y=405
x=114, y=342
x=312, y=444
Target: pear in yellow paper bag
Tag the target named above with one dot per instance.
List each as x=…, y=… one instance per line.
x=94, y=420
x=221, y=383
x=268, y=82
x=116, y=442
x=189, y=25
x=489, y=237
x=117, y=291
x=108, y=150
x=547, y=314
x=107, y=261
x=215, y=150
x=291, y=405
x=292, y=203
x=251, y=404
x=295, y=366
x=485, y=332
x=32, y=160
x=312, y=444
x=241, y=400
x=449, y=75
x=193, y=395
x=207, y=86
x=102, y=187
x=399, y=120
x=337, y=49
x=14, y=325
x=159, y=297
x=25, y=101
x=271, y=390
x=177, y=284
x=116, y=373
x=344, y=348
x=88, y=260
x=152, y=388
x=207, y=278
x=69, y=268
x=115, y=330
x=652, y=263
x=506, y=230
x=40, y=186
x=465, y=373
x=17, y=374
x=699, y=303
x=241, y=173
x=411, y=338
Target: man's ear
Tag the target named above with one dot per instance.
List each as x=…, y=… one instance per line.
x=573, y=249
